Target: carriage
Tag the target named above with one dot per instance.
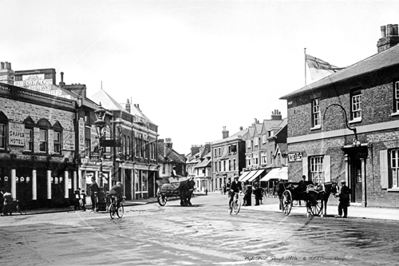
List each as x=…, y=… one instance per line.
x=313, y=195
x=183, y=189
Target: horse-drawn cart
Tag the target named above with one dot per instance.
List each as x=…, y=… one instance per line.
x=309, y=193
x=184, y=190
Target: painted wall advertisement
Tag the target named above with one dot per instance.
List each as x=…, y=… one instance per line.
x=38, y=82
x=16, y=133
x=68, y=140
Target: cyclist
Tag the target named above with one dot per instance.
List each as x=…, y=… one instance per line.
x=235, y=187
x=117, y=191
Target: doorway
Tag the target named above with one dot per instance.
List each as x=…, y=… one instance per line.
x=355, y=179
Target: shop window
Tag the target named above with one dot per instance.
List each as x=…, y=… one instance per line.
x=57, y=142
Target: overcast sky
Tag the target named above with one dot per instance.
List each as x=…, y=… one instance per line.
x=192, y=66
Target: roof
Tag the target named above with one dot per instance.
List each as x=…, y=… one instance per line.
x=270, y=124
x=206, y=162
x=381, y=60
x=166, y=154
x=239, y=135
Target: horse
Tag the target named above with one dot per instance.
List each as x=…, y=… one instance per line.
x=186, y=189
x=323, y=195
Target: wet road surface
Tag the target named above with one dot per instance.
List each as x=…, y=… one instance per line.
x=203, y=234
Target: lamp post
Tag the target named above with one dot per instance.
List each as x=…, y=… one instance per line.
x=356, y=142
x=100, y=124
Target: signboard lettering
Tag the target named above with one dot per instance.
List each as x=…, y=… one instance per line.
x=81, y=135
x=295, y=157
x=68, y=140
x=16, y=133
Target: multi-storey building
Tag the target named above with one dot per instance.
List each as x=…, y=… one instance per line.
x=345, y=126
x=135, y=163
x=202, y=170
x=228, y=157
x=37, y=140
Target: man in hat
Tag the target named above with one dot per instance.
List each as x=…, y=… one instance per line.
x=234, y=188
x=344, y=199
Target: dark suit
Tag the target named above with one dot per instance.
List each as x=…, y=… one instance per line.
x=344, y=199
x=236, y=188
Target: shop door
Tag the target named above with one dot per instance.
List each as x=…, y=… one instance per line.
x=151, y=184
x=128, y=184
x=355, y=182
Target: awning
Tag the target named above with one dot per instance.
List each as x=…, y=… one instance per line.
x=256, y=175
x=243, y=175
x=247, y=177
x=277, y=173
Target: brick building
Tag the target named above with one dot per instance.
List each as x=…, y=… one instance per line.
x=346, y=126
x=37, y=145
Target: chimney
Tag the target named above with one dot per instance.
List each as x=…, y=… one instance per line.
x=389, y=37
x=194, y=149
x=6, y=73
x=168, y=143
x=225, y=133
x=128, y=106
x=62, y=83
x=276, y=115
x=241, y=128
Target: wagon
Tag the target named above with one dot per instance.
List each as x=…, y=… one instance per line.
x=310, y=194
x=166, y=190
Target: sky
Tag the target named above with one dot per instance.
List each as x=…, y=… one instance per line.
x=192, y=66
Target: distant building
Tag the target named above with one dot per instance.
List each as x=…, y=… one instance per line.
x=171, y=164
x=345, y=127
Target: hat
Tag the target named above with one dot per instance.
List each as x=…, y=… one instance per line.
x=236, y=177
x=343, y=182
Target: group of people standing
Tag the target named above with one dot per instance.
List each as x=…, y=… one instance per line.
x=247, y=190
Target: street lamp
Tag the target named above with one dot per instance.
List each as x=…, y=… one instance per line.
x=100, y=124
x=356, y=142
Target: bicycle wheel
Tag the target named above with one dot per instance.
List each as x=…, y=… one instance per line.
x=236, y=207
x=120, y=211
x=232, y=206
x=112, y=210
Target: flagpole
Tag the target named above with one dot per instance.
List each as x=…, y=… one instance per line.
x=304, y=49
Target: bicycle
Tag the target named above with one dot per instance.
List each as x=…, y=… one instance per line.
x=235, y=205
x=116, y=208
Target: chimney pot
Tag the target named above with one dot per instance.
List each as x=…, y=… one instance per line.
x=1, y=65
x=395, y=29
x=383, y=31
x=389, y=30
x=62, y=77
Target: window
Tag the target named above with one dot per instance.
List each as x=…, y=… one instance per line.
x=233, y=148
x=356, y=101
x=215, y=152
x=234, y=164
x=224, y=166
x=264, y=139
x=249, y=159
x=270, y=133
x=128, y=145
x=394, y=168
x=263, y=158
x=396, y=97
x=256, y=159
x=256, y=141
x=29, y=139
x=57, y=142
x=2, y=136
x=43, y=140
x=316, y=169
x=220, y=152
x=248, y=144
x=316, y=113
x=216, y=166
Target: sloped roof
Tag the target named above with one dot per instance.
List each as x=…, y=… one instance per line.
x=204, y=163
x=282, y=125
x=239, y=135
x=109, y=103
x=170, y=154
x=381, y=60
x=283, y=147
x=270, y=124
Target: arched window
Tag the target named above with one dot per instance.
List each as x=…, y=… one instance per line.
x=29, y=125
x=44, y=126
x=3, y=130
x=57, y=137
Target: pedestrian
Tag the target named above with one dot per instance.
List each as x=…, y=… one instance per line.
x=77, y=198
x=83, y=200
x=93, y=194
x=248, y=194
x=280, y=191
x=258, y=194
x=7, y=205
x=344, y=199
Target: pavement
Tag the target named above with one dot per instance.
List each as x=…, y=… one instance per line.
x=269, y=205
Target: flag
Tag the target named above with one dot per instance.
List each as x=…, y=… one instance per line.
x=319, y=68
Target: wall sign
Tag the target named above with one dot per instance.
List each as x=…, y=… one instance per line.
x=16, y=133
x=295, y=157
x=68, y=140
x=81, y=135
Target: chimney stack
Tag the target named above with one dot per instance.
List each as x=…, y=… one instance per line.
x=194, y=149
x=276, y=115
x=128, y=106
x=168, y=143
x=389, y=37
x=225, y=133
x=6, y=73
x=62, y=83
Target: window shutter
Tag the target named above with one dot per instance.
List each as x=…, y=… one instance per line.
x=305, y=167
x=384, y=168
x=326, y=168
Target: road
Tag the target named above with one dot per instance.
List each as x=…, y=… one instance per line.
x=203, y=234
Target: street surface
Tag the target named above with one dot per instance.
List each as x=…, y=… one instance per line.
x=204, y=234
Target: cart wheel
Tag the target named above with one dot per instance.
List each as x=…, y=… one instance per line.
x=315, y=207
x=287, y=202
x=162, y=200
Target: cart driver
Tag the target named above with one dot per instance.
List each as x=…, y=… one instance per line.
x=117, y=191
x=235, y=187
